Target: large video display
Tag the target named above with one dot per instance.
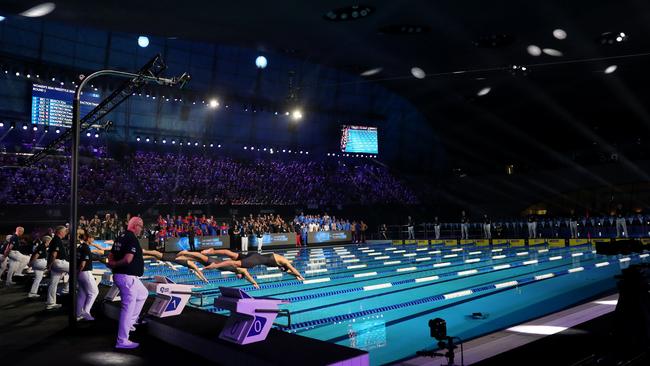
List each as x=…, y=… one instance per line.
x=359, y=139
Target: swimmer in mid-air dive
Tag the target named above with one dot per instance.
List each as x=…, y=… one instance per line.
x=241, y=261
x=187, y=259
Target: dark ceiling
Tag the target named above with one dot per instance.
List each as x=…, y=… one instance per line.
x=564, y=103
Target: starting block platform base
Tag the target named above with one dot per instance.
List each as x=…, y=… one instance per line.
x=198, y=331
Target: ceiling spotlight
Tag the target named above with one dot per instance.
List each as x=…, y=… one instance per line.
x=28, y=76
x=196, y=143
x=371, y=72
x=2, y=18
x=2, y=124
x=39, y=10
x=261, y=62
x=137, y=139
x=283, y=150
x=17, y=73
x=211, y=145
x=96, y=135
x=214, y=103
x=35, y=128
x=484, y=91
x=57, y=131
x=245, y=148
x=552, y=52
x=164, y=141
x=173, y=142
x=147, y=139
x=534, y=50
x=418, y=73
x=612, y=38
x=87, y=134
x=559, y=34
x=143, y=41
x=252, y=148
x=296, y=115
x=610, y=69
x=24, y=127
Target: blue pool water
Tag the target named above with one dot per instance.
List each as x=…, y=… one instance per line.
x=380, y=297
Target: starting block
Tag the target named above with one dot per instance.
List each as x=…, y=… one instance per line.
x=171, y=297
x=250, y=319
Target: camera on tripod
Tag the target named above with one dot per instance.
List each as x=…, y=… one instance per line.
x=438, y=331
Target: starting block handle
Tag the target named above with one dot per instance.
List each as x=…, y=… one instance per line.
x=280, y=312
x=183, y=292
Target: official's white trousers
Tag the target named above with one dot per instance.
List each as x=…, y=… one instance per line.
x=17, y=262
x=87, y=294
x=133, y=295
x=59, y=269
x=38, y=266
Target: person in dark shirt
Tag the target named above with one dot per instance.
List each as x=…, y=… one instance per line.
x=382, y=231
x=410, y=228
x=190, y=238
x=88, y=290
x=127, y=263
x=58, y=266
x=621, y=225
x=573, y=224
x=436, y=228
x=18, y=252
x=464, y=226
x=532, y=226
x=39, y=264
x=487, y=226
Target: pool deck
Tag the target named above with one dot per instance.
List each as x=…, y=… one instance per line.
x=491, y=345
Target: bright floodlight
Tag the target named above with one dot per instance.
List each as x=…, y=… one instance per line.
x=143, y=41
x=552, y=52
x=371, y=72
x=484, y=91
x=214, y=103
x=418, y=73
x=2, y=18
x=296, y=115
x=534, y=50
x=559, y=34
x=261, y=62
x=610, y=69
x=39, y=10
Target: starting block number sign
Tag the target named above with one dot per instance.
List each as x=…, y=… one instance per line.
x=244, y=329
x=258, y=326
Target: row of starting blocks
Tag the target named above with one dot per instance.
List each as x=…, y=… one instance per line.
x=250, y=319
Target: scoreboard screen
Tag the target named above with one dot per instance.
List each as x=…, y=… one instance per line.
x=52, y=105
x=359, y=139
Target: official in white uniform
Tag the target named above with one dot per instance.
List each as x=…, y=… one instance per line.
x=3, y=256
x=39, y=264
x=88, y=290
x=127, y=263
x=19, y=253
x=58, y=266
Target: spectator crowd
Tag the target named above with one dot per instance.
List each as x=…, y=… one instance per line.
x=166, y=178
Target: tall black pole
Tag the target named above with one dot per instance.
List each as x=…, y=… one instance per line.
x=74, y=172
